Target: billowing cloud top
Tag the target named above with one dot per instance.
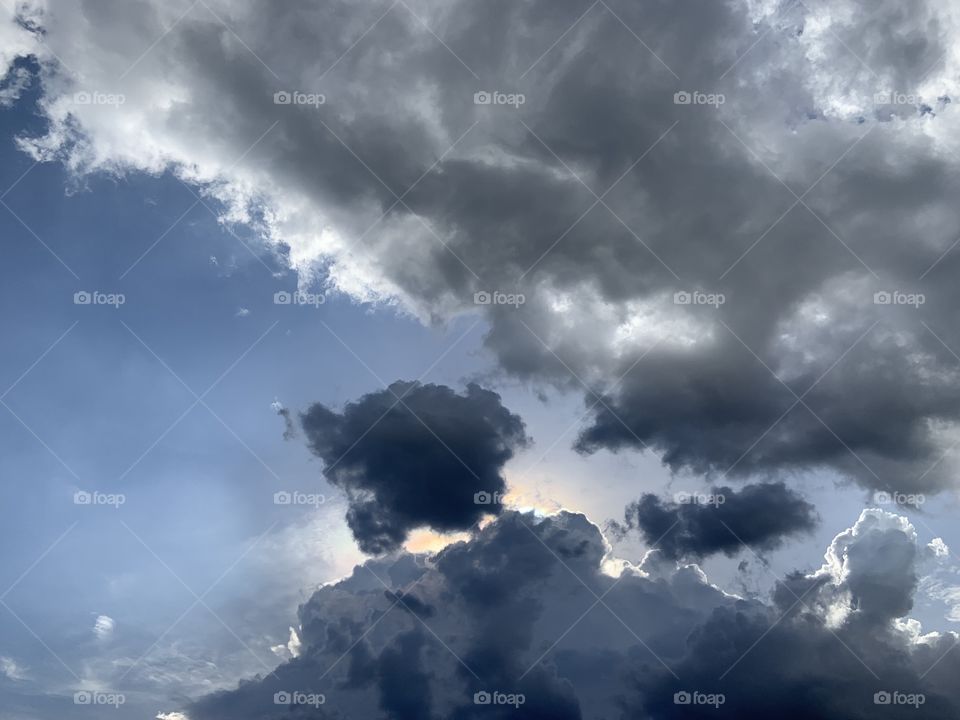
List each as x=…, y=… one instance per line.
x=523, y=609
x=415, y=455
x=734, y=222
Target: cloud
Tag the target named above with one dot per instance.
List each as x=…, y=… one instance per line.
x=18, y=40
x=103, y=627
x=289, y=427
x=725, y=520
x=515, y=610
x=10, y=669
x=415, y=455
x=796, y=200
x=290, y=649
x=831, y=643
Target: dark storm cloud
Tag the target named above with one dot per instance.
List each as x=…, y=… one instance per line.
x=759, y=516
x=517, y=612
x=794, y=660
x=415, y=455
x=404, y=686
x=798, y=198
x=870, y=418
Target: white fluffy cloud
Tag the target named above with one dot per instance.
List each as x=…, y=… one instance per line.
x=103, y=627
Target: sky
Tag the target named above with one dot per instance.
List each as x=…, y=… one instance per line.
x=414, y=359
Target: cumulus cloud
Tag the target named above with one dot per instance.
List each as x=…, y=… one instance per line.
x=11, y=669
x=290, y=649
x=708, y=269
x=103, y=627
x=696, y=525
x=415, y=455
x=515, y=609
x=19, y=30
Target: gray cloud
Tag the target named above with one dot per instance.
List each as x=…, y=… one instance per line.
x=415, y=455
x=503, y=598
x=798, y=198
x=760, y=516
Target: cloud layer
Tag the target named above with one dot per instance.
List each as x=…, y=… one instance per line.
x=742, y=285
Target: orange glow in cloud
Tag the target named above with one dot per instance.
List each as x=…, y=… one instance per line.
x=428, y=541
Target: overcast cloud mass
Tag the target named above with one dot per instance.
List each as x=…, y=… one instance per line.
x=727, y=230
